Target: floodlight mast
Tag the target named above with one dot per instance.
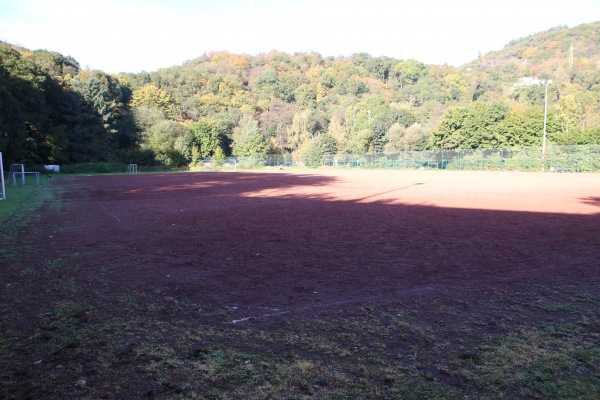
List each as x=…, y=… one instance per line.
x=545, y=83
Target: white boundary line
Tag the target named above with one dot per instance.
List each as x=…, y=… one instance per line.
x=109, y=212
x=235, y=321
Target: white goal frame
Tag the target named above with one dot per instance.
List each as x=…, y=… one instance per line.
x=3, y=193
x=36, y=174
x=132, y=169
x=14, y=169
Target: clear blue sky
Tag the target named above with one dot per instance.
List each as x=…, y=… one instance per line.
x=135, y=35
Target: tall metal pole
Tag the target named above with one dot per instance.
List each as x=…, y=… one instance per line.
x=545, y=116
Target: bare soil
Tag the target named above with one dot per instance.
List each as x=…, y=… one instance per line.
x=457, y=256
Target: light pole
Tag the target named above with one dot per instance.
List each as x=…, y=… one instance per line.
x=545, y=83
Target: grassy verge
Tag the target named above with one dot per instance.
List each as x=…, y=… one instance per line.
x=28, y=196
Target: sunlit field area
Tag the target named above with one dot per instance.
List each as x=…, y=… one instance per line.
x=295, y=284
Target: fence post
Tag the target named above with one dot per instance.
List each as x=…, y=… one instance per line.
x=481, y=159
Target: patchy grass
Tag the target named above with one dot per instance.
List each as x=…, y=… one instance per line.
x=29, y=196
x=567, y=308
x=17, y=211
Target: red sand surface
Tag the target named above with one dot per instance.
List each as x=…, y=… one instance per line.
x=270, y=244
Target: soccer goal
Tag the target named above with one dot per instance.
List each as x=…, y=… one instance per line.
x=16, y=168
x=132, y=169
x=3, y=193
x=20, y=181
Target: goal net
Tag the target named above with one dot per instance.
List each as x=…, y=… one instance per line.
x=14, y=168
x=22, y=179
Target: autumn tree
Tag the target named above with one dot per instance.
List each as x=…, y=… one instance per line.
x=152, y=96
x=274, y=122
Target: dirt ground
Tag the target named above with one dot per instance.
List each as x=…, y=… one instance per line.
x=293, y=242
x=263, y=250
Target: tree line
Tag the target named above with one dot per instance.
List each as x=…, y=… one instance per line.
x=221, y=104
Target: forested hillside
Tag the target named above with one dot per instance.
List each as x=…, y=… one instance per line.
x=52, y=111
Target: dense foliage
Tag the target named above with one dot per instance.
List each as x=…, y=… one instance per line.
x=222, y=104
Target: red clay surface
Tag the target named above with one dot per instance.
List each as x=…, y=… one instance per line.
x=284, y=243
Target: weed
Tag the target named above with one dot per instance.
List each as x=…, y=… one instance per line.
x=567, y=308
x=587, y=298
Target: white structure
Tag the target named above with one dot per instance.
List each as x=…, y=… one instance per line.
x=132, y=169
x=529, y=81
x=3, y=193
x=14, y=168
x=36, y=175
x=52, y=168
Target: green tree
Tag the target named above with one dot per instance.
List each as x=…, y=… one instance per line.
x=408, y=72
x=207, y=138
x=492, y=125
x=12, y=127
x=170, y=141
x=524, y=125
x=382, y=124
x=93, y=89
x=316, y=148
x=219, y=156
x=55, y=64
x=401, y=138
x=306, y=96
x=298, y=133
x=247, y=139
x=22, y=85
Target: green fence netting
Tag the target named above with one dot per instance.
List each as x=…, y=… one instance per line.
x=583, y=158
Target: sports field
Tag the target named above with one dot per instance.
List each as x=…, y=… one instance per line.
x=296, y=284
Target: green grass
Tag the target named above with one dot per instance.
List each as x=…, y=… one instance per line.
x=28, y=196
x=18, y=210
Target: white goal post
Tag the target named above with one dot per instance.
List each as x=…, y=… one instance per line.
x=3, y=193
x=132, y=169
x=14, y=168
x=22, y=176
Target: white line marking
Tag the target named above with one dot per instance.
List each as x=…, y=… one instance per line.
x=110, y=212
x=235, y=321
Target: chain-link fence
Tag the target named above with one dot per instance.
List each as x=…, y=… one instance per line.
x=584, y=158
